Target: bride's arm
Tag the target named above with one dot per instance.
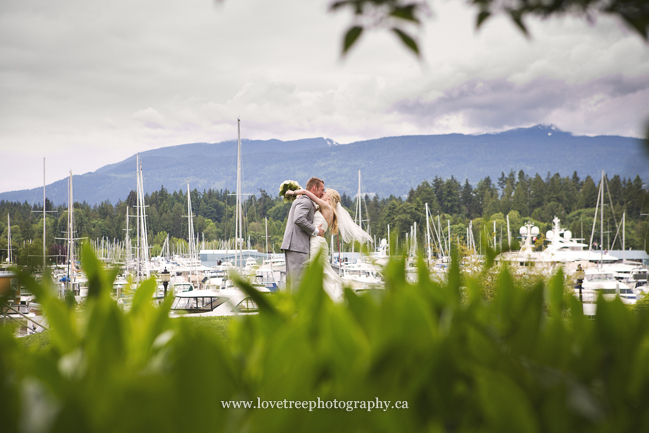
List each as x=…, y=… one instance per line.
x=322, y=203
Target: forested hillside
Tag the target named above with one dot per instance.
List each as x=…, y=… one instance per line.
x=389, y=165
x=518, y=195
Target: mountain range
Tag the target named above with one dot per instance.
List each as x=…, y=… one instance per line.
x=390, y=165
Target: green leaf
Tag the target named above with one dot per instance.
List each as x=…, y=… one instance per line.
x=405, y=13
x=338, y=4
x=505, y=405
x=351, y=37
x=311, y=295
x=143, y=295
x=482, y=17
x=262, y=302
x=100, y=281
x=517, y=17
x=407, y=40
x=62, y=320
x=395, y=273
x=556, y=294
x=454, y=277
x=637, y=21
x=490, y=253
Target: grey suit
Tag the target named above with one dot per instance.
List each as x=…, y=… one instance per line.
x=299, y=229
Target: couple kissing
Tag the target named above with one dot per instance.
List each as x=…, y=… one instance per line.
x=315, y=211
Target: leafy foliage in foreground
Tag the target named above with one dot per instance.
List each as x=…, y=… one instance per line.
x=462, y=363
x=398, y=14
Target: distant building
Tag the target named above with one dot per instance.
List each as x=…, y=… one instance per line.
x=638, y=256
x=210, y=258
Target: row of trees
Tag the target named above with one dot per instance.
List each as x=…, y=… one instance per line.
x=521, y=197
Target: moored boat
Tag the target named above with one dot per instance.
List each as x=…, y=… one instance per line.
x=205, y=303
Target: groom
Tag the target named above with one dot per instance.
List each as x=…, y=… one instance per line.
x=299, y=229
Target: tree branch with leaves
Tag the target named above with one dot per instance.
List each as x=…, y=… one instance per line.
x=401, y=16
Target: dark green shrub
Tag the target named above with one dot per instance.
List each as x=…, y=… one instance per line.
x=528, y=361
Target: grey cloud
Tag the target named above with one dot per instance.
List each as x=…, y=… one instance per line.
x=619, y=85
x=497, y=104
x=86, y=83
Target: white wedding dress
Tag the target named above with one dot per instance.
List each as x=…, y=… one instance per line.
x=332, y=283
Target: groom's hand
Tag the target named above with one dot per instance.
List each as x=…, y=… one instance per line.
x=320, y=231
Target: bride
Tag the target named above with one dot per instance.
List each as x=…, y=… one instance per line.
x=331, y=215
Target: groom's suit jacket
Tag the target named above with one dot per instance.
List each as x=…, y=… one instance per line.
x=299, y=226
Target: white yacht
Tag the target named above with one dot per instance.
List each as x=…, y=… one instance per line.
x=268, y=278
x=563, y=248
x=250, y=267
x=362, y=276
x=223, y=302
x=182, y=287
x=277, y=262
x=639, y=279
x=601, y=282
x=19, y=306
x=621, y=271
x=380, y=256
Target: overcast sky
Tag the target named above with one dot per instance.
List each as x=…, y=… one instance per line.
x=86, y=83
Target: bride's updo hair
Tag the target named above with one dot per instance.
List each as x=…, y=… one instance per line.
x=334, y=199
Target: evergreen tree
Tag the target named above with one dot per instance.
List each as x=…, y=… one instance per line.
x=615, y=189
x=466, y=200
x=438, y=188
x=553, y=192
x=484, y=192
x=569, y=194
x=588, y=194
x=633, y=196
x=575, y=180
x=519, y=202
x=537, y=193
x=451, y=196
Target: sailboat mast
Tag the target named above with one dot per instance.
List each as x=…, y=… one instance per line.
x=389, y=244
x=601, y=233
x=448, y=248
x=509, y=235
x=359, y=209
x=143, y=229
x=9, y=238
x=238, y=230
x=623, y=238
x=428, y=234
x=44, y=216
x=127, y=242
x=190, y=235
x=592, y=232
x=414, y=238
x=440, y=235
x=137, y=216
x=266, y=219
x=70, y=227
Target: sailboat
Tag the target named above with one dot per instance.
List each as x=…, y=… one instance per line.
x=45, y=211
x=243, y=265
x=73, y=281
x=192, y=253
x=358, y=213
x=363, y=274
x=238, y=218
x=142, y=252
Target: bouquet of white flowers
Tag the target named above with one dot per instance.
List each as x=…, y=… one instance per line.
x=286, y=186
